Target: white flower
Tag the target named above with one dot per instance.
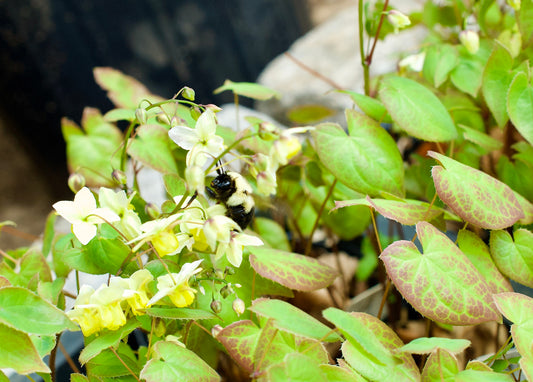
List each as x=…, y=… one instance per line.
x=83, y=214
x=201, y=142
x=415, y=62
x=160, y=233
x=217, y=229
x=398, y=20
x=470, y=41
x=119, y=203
x=287, y=146
x=233, y=248
x=176, y=286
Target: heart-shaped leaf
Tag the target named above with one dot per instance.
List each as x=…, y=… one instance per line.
x=417, y=110
x=176, y=363
x=514, y=257
x=475, y=196
x=442, y=284
x=367, y=160
x=248, y=89
x=291, y=270
x=19, y=353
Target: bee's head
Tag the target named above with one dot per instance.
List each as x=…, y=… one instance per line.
x=222, y=182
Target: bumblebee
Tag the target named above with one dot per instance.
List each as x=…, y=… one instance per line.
x=235, y=193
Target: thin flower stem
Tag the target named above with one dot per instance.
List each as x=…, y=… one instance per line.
x=227, y=150
x=368, y=59
x=125, y=365
x=313, y=72
x=366, y=72
x=68, y=358
x=4, y=254
x=317, y=220
x=124, y=154
x=384, y=298
x=162, y=262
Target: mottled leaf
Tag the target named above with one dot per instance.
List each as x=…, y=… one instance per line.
x=478, y=253
x=475, y=196
x=417, y=110
x=240, y=340
x=367, y=160
x=442, y=284
x=291, y=270
x=514, y=258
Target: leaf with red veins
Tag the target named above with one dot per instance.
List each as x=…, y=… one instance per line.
x=291, y=270
x=240, y=340
x=475, y=196
x=442, y=284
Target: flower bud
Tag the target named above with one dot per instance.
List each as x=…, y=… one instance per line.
x=140, y=114
x=213, y=108
x=216, y=329
x=188, y=93
x=152, y=210
x=76, y=182
x=229, y=270
x=163, y=118
x=195, y=112
x=470, y=41
x=216, y=306
x=226, y=290
x=398, y=20
x=268, y=131
x=238, y=306
x=119, y=177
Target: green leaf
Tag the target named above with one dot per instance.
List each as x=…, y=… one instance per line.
x=124, y=91
x=520, y=105
x=367, y=161
x=107, y=364
x=120, y=115
x=478, y=253
x=525, y=21
x=440, y=366
x=497, y=78
x=296, y=367
x=485, y=141
x=442, y=284
x=341, y=374
x=99, y=256
x=482, y=376
x=370, y=106
x=370, y=345
x=291, y=270
x=23, y=310
x=174, y=185
x=272, y=233
x=439, y=61
x=48, y=235
x=43, y=344
x=107, y=340
x=404, y=211
x=293, y=320
x=514, y=258
x=307, y=114
x=248, y=89
x=467, y=76
x=518, y=175
x=78, y=378
x=417, y=110
x=19, y=353
x=93, y=150
x=425, y=345
x=475, y=196
x=175, y=363
x=180, y=313
x=153, y=147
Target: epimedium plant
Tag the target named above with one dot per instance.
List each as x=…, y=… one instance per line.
x=198, y=285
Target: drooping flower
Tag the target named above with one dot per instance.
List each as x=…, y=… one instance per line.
x=160, y=233
x=135, y=290
x=287, y=146
x=201, y=142
x=233, y=248
x=398, y=20
x=176, y=286
x=118, y=202
x=84, y=215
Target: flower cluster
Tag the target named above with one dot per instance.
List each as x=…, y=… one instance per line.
x=109, y=306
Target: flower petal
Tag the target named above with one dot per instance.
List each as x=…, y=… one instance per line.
x=85, y=201
x=83, y=231
x=183, y=136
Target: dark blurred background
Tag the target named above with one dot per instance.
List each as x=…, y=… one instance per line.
x=48, y=49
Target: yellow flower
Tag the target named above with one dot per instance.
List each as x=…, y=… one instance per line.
x=176, y=286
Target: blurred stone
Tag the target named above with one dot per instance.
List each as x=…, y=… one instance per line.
x=332, y=50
